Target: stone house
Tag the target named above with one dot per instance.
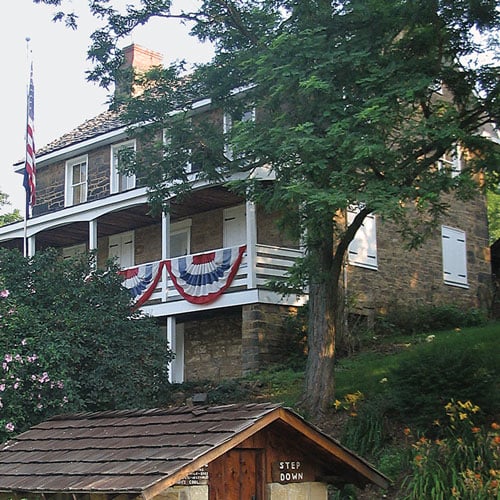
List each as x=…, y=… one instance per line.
x=202, y=269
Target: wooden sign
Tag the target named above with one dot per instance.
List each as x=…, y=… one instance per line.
x=287, y=471
x=196, y=478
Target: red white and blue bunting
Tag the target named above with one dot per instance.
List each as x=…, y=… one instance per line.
x=202, y=278
x=141, y=281
x=199, y=278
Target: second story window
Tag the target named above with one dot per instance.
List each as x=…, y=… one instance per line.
x=228, y=121
x=452, y=161
x=76, y=181
x=120, y=181
x=363, y=248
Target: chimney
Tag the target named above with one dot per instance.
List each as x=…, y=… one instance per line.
x=137, y=59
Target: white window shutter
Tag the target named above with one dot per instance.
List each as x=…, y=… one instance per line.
x=454, y=250
x=363, y=248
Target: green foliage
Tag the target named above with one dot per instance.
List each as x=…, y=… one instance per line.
x=347, y=112
x=436, y=373
x=428, y=318
x=366, y=431
x=11, y=217
x=77, y=320
x=494, y=214
x=463, y=464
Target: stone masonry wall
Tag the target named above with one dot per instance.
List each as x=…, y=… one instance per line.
x=212, y=346
x=233, y=342
x=51, y=180
x=263, y=337
x=415, y=277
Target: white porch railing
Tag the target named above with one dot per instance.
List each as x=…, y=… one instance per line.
x=257, y=267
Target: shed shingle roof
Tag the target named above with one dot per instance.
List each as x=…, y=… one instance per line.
x=137, y=451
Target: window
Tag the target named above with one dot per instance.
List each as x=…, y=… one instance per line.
x=121, y=247
x=234, y=226
x=227, y=124
x=76, y=181
x=452, y=161
x=363, y=248
x=73, y=251
x=189, y=168
x=180, y=238
x=454, y=256
x=119, y=181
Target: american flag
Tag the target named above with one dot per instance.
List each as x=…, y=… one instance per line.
x=30, y=166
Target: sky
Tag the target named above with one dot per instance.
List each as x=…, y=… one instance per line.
x=63, y=97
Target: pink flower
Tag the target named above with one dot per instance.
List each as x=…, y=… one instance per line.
x=9, y=427
x=2, y=387
x=4, y=294
x=8, y=358
x=24, y=342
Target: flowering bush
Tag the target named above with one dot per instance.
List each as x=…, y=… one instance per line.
x=463, y=464
x=27, y=391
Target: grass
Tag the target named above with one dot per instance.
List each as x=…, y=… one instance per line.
x=364, y=371
x=367, y=370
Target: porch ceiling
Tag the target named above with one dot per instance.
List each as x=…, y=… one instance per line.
x=138, y=216
x=203, y=200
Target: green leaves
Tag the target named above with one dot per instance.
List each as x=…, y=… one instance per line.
x=77, y=320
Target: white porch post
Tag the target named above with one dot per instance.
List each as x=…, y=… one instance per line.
x=175, y=339
x=251, y=228
x=31, y=245
x=165, y=252
x=93, y=234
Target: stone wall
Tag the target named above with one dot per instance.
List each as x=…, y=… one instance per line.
x=233, y=342
x=50, y=188
x=295, y=491
x=51, y=181
x=415, y=277
x=263, y=337
x=212, y=346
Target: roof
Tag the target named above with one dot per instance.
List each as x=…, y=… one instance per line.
x=139, y=451
x=105, y=122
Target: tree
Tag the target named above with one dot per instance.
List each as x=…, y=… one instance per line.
x=357, y=101
x=11, y=217
x=74, y=323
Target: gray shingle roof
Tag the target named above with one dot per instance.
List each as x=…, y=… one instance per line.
x=106, y=121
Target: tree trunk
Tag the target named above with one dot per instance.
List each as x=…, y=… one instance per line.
x=325, y=320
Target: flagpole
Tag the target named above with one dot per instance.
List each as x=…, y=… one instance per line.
x=29, y=163
x=25, y=239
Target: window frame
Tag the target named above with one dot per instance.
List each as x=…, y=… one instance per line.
x=115, y=176
x=452, y=161
x=69, y=191
x=227, y=125
x=365, y=237
x=180, y=227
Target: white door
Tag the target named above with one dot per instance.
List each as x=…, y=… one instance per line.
x=235, y=226
x=121, y=246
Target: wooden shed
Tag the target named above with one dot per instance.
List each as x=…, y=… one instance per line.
x=245, y=451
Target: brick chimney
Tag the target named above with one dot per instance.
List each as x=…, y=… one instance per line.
x=137, y=59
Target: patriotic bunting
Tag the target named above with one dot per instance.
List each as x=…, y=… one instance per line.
x=202, y=278
x=141, y=281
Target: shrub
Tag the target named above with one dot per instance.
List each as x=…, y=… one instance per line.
x=422, y=383
x=423, y=319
